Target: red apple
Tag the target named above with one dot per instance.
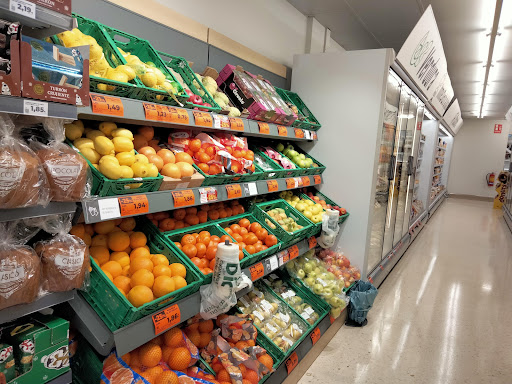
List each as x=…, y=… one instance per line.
x=196, y=99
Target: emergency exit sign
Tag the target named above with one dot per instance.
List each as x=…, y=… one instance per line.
x=497, y=128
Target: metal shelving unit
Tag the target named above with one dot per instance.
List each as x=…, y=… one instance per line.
x=16, y=105
x=53, y=208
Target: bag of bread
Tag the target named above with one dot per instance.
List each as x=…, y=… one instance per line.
x=20, y=268
x=68, y=173
x=64, y=258
x=23, y=180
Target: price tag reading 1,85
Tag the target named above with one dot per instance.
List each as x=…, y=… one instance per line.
x=166, y=319
x=272, y=185
x=264, y=128
x=236, y=124
x=203, y=119
x=315, y=335
x=318, y=179
x=282, y=131
x=292, y=362
x=133, y=205
x=257, y=271
x=183, y=198
x=107, y=105
x=234, y=191
x=293, y=251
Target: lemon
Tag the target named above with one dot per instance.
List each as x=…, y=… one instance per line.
x=93, y=133
x=127, y=70
x=149, y=79
x=132, y=59
x=140, y=158
x=73, y=131
x=109, y=159
x=117, y=76
x=83, y=143
x=126, y=172
x=122, y=144
x=91, y=155
x=110, y=170
x=123, y=52
x=103, y=145
x=102, y=87
x=168, y=87
x=96, y=166
x=122, y=132
x=95, y=51
x=107, y=127
x=152, y=170
x=134, y=186
x=125, y=158
x=140, y=169
x=160, y=77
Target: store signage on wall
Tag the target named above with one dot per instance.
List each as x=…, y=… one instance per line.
x=443, y=95
x=498, y=128
x=453, y=117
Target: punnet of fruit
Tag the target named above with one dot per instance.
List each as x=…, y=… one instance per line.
x=319, y=199
x=313, y=211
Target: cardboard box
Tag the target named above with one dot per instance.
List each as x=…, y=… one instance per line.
x=61, y=6
x=40, y=348
x=170, y=183
x=10, y=77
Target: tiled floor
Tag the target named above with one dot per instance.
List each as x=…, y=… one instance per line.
x=443, y=315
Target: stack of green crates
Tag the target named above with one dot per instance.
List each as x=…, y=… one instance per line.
x=309, y=121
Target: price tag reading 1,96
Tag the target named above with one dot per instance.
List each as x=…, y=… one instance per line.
x=315, y=335
x=292, y=362
x=293, y=251
x=183, y=198
x=257, y=271
x=166, y=319
x=264, y=128
x=107, y=105
x=282, y=131
x=272, y=185
x=236, y=124
x=133, y=205
x=234, y=191
x=203, y=119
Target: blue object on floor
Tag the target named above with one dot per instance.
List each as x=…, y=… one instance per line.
x=362, y=295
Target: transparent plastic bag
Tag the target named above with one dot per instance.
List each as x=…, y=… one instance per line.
x=116, y=371
x=20, y=268
x=23, y=180
x=65, y=258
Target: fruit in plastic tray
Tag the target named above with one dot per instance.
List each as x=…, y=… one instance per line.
x=280, y=217
x=277, y=157
x=313, y=211
x=301, y=160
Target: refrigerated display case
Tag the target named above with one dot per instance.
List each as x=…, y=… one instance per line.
x=441, y=164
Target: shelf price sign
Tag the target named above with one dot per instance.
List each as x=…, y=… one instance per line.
x=299, y=133
x=293, y=251
x=282, y=130
x=315, y=335
x=234, y=191
x=291, y=183
x=208, y=195
x=203, y=119
x=155, y=112
x=292, y=362
x=107, y=105
x=183, y=198
x=305, y=181
x=133, y=205
x=178, y=115
x=35, y=108
x=264, y=128
x=318, y=179
x=257, y=271
x=312, y=242
x=236, y=124
x=166, y=319
x=221, y=121
x=272, y=185
x=24, y=8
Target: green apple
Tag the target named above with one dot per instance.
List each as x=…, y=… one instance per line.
x=300, y=206
x=310, y=281
x=327, y=294
x=280, y=147
x=301, y=163
x=318, y=289
x=309, y=162
x=317, y=218
x=308, y=213
x=297, y=199
x=302, y=156
x=308, y=267
x=318, y=271
x=301, y=273
x=312, y=274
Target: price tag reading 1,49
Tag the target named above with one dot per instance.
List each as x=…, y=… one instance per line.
x=292, y=362
x=257, y=271
x=282, y=131
x=272, y=185
x=203, y=119
x=133, y=205
x=107, y=105
x=234, y=191
x=166, y=319
x=183, y=198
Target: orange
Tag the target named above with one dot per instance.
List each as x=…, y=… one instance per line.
x=100, y=253
x=178, y=270
x=167, y=377
x=251, y=249
x=223, y=375
x=235, y=228
x=204, y=238
x=78, y=230
x=126, y=358
x=189, y=250
x=252, y=376
x=150, y=354
x=109, y=275
x=244, y=223
x=140, y=263
x=212, y=264
x=201, y=249
x=213, y=214
x=134, y=358
x=238, y=237
x=203, y=263
x=266, y=360
x=113, y=267
x=270, y=240
x=123, y=283
x=206, y=326
x=99, y=240
x=195, y=337
x=151, y=374
x=192, y=219
x=255, y=227
x=104, y=227
x=217, y=367
x=188, y=239
x=126, y=271
x=179, y=282
x=162, y=270
x=163, y=285
x=243, y=231
x=241, y=345
x=166, y=352
x=121, y=257
x=138, y=239
x=173, y=337
x=261, y=234
x=250, y=239
x=159, y=259
x=202, y=216
x=179, y=359
x=139, y=252
x=251, y=343
x=205, y=339
x=211, y=252
x=245, y=381
x=140, y=295
x=224, y=238
x=194, y=145
x=118, y=241
x=179, y=214
x=142, y=277
x=127, y=224
x=243, y=369
x=89, y=229
x=196, y=261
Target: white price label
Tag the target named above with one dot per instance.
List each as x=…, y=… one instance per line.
x=322, y=282
x=22, y=7
x=309, y=310
x=258, y=315
x=291, y=293
x=251, y=189
x=273, y=276
x=109, y=208
x=266, y=305
x=304, y=315
x=283, y=257
x=244, y=301
x=221, y=121
x=208, y=195
x=308, y=134
x=35, y=108
x=274, y=264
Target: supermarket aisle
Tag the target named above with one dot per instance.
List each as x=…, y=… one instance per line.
x=443, y=314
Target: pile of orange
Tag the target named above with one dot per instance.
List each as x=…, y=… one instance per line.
x=125, y=259
x=186, y=217
x=200, y=333
x=251, y=236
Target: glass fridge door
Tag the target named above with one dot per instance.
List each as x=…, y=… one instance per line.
x=383, y=171
x=397, y=162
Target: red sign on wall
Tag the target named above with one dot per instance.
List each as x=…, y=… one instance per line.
x=497, y=128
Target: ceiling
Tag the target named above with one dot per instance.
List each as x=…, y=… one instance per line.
x=463, y=25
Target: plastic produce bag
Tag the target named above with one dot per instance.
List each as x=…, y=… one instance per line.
x=65, y=258
x=362, y=295
x=23, y=180
x=330, y=228
x=116, y=371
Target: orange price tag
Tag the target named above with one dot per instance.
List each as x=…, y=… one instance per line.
x=315, y=136
x=312, y=242
x=156, y=112
x=272, y=185
x=133, y=205
x=183, y=198
x=305, y=181
x=236, y=124
x=331, y=319
x=299, y=133
x=315, y=335
x=292, y=362
x=166, y=319
x=234, y=191
x=290, y=183
x=264, y=128
x=293, y=251
x=107, y=105
x=282, y=131
x=318, y=179
x=203, y=119
x=178, y=115
x=257, y=271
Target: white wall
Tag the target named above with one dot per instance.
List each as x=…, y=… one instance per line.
x=477, y=151
x=273, y=28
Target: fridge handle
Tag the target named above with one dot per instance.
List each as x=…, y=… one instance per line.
x=391, y=172
x=410, y=166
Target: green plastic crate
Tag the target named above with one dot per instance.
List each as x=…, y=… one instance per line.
x=103, y=186
x=260, y=212
x=251, y=259
x=114, y=308
x=180, y=66
x=146, y=53
x=308, y=171
x=273, y=172
x=86, y=364
x=218, y=179
x=316, y=192
x=310, y=121
x=279, y=171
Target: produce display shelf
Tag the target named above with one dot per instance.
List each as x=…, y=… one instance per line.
x=54, y=208
x=133, y=112
x=65, y=378
x=98, y=209
x=45, y=23
x=13, y=313
x=140, y=332
x=19, y=106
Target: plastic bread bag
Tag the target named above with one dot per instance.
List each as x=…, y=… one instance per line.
x=64, y=258
x=23, y=180
x=20, y=268
x=68, y=173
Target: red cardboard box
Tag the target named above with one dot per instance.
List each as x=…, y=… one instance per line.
x=61, y=6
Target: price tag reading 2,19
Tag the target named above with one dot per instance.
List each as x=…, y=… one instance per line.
x=133, y=205
x=315, y=335
x=107, y=105
x=299, y=133
x=292, y=362
x=264, y=128
x=166, y=319
x=236, y=124
x=312, y=242
x=318, y=179
x=305, y=181
x=203, y=119
x=257, y=271
x=272, y=185
x=24, y=8
x=234, y=191
x=293, y=251
x=282, y=131
x=183, y=198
